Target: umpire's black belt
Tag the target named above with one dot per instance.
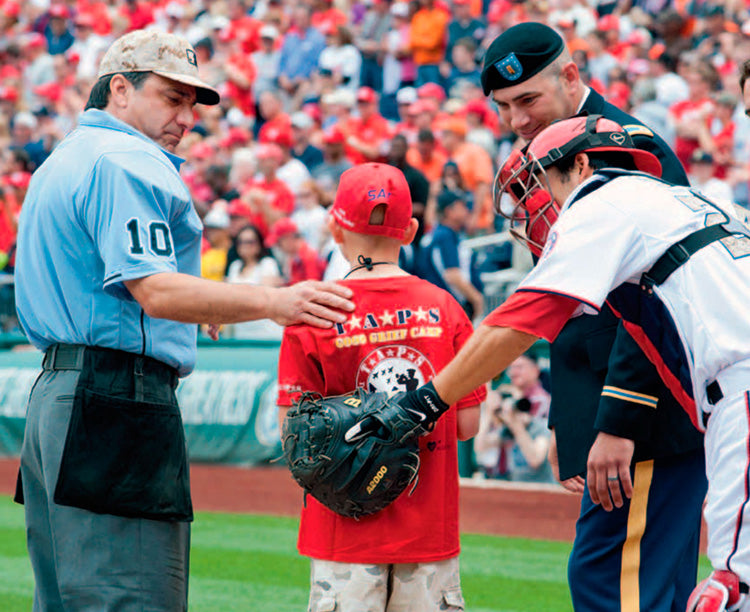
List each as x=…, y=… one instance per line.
x=124, y=451
x=74, y=356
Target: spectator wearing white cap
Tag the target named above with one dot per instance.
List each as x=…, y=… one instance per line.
x=310, y=156
x=266, y=61
x=24, y=137
x=216, y=233
x=398, y=66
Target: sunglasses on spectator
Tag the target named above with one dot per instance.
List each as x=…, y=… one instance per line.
x=247, y=241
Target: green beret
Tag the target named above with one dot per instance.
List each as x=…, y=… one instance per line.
x=518, y=54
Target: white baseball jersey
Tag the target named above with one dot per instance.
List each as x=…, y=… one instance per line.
x=695, y=324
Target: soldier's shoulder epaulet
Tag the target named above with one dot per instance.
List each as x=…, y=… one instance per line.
x=635, y=129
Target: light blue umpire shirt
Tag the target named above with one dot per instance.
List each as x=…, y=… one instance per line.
x=107, y=206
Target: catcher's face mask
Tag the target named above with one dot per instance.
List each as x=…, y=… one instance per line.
x=534, y=209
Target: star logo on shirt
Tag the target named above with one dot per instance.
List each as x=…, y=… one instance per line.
x=386, y=318
x=354, y=322
x=421, y=314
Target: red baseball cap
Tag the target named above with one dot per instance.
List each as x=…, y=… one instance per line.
x=8, y=94
x=52, y=91
x=366, y=186
x=431, y=90
x=10, y=9
x=240, y=208
x=269, y=150
x=280, y=228
x=19, y=180
x=334, y=135
x=476, y=106
x=608, y=22
x=366, y=94
x=201, y=150
x=59, y=11
x=35, y=39
x=86, y=20
x=278, y=135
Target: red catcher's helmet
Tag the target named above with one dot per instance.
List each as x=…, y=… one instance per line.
x=523, y=174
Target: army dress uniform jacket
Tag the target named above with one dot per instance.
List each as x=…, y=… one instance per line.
x=601, y=380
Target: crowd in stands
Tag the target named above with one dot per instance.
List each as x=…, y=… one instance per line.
x=311, y=87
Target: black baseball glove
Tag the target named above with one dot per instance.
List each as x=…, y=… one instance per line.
x=364, y=475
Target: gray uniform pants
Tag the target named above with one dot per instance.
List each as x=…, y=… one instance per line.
x=83, y=561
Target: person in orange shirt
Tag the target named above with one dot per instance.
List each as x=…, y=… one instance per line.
x=475, y=166
x=429, y=27
x=368, y=133
x=573, y=42
x=426, y=156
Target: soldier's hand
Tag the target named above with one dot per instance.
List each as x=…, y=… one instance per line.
x=608, y=470
x=316, y=303
x=575, y=484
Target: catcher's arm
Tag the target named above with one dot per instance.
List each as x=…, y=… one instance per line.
x=487, y=353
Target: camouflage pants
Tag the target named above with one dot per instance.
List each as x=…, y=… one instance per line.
x=401, y=587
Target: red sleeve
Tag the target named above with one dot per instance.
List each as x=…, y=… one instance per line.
x=536, y=313
x=299, y=366
x=463, y=331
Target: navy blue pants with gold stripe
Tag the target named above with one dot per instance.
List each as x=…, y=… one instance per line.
x=642, y=557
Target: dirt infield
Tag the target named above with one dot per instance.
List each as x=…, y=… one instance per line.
x=495, y=509
x=534, y=511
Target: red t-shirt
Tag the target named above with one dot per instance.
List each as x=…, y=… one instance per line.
x=688, y=110
x=374, y=130
x=281, y=196
x=306, y=265
x=242, y=96
x=403, y=331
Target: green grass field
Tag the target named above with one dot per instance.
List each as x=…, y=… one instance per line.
x=244, y=562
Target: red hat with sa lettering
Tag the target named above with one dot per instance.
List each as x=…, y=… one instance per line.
x=366, y=186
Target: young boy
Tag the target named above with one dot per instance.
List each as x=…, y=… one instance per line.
x=402, y=332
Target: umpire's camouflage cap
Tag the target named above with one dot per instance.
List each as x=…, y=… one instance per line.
x=159, y=52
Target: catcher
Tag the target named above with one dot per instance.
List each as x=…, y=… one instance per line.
x=402, y=332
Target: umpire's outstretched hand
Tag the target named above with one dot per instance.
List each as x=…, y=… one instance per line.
x=316, y=303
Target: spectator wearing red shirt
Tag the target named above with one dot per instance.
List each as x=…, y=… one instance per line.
x=268, y=194
x=99, y=13
x=301, y=261
x=327, y=17
x=291, y=171
x=239, y=71
x=242, y=27
x=368, y=133
x=199, y=159
x=718, y=138
x=695, y=114
x=272, y=113
x=139, y=14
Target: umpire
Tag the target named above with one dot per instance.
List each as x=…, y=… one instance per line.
x=629, y=554
x=108, y=255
